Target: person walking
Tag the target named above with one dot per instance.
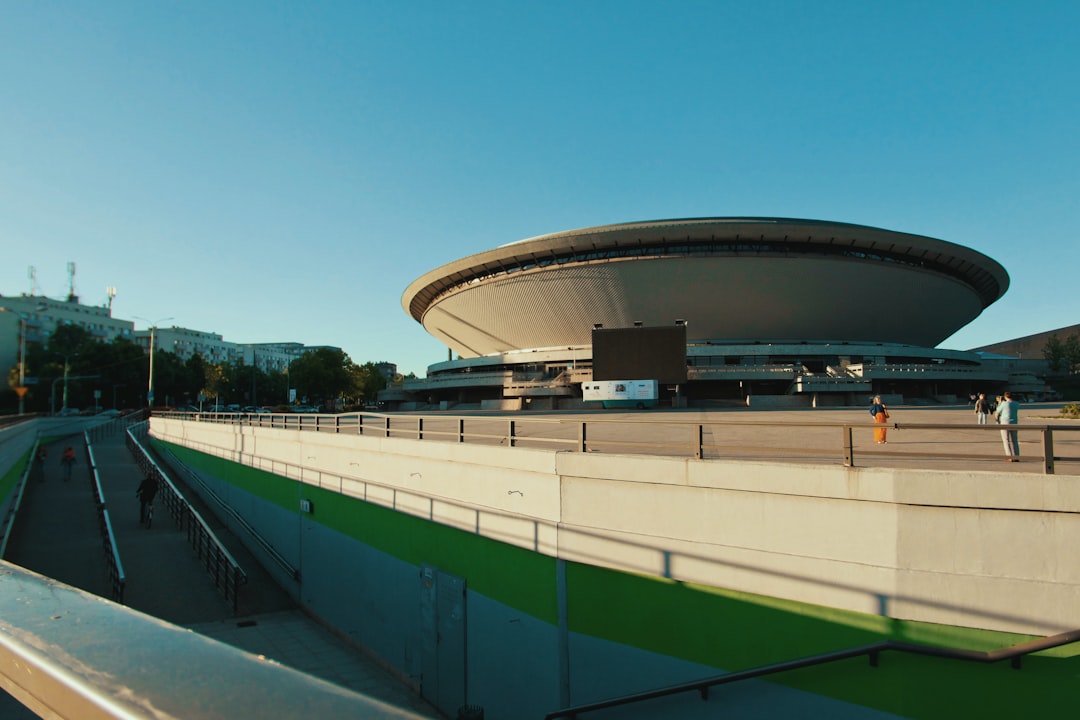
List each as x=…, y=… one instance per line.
x=880, y=413
x=42, y=453
x=147, y=490
x=1007, y=413
x=982, y=409
x=67, y=460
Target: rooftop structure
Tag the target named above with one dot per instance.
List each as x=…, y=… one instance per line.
x=771, y=306
x=730, y=279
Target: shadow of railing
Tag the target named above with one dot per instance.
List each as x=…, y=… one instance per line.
x=873, y=651
x=528, y=532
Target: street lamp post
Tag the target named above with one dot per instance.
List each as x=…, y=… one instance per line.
x=21, y=390
x=150, y=381
x=64, y=378
x=67, y=369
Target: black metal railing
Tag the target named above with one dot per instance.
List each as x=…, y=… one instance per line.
x=117, y=579
x=207, y=492
x=873, y=651
x=708, y=440
x=13, y=508
x=222, y=567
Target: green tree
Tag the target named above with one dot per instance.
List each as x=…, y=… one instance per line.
x=1062, y=355
x=195, y=377
x=214, y=383
x=368, y=380
x=322, y=376
x=1072, y=353
x=1054, y=353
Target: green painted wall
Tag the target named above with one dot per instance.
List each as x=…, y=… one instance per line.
x=516, y=577
x=11, y=477
x=707, y=625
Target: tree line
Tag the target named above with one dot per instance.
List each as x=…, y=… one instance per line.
x=1062, y=356
x=118, y=372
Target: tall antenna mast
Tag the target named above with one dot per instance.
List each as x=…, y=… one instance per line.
x=111, y=292
x=71, y=283
x=31, y=273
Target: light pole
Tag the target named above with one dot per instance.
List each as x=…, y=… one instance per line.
x=150, y=381
x=21, y=390
x=67, y=368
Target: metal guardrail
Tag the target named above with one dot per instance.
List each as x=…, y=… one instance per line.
x=1013, y=653
x=668, y=436
x=64, y=653
x=270, y=550
x=226, y=572
x=13, y=509
x=117, y=579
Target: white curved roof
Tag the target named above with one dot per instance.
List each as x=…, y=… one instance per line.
x=730, y=279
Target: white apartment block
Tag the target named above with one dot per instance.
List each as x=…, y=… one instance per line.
x=39, y=316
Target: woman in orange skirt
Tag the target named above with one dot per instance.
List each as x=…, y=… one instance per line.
x=881, y=414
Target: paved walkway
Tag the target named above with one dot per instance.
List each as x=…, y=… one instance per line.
x=57, y=534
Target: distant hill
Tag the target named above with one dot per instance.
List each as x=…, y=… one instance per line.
x=1030, y=346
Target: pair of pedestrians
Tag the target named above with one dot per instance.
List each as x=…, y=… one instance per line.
x=67, y=461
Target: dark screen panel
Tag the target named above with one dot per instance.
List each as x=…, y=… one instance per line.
x=640, y=353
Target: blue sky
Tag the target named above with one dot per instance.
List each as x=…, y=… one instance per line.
x=281, y=171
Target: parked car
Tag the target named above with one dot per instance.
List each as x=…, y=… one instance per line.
x=304, y=409
x=109, y=413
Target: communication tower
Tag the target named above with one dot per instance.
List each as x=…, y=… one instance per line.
x=72, y=297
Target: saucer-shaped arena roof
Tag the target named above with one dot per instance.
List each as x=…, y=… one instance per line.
x=729, y=279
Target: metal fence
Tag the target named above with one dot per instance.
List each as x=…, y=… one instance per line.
x=226, y=572
x=117, y=579
x=1047, y=446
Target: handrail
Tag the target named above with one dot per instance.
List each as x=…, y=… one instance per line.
x=1014, y=653
x=226, y=572
x=66, y=654
x=566, y=433
x=13, y=509
x=276, y=556
x=117, y=579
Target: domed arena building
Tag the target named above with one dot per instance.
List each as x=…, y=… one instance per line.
x=774, y=311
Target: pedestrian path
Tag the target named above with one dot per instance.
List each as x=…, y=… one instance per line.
x=57, y=534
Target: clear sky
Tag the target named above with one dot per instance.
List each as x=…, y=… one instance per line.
x=281, y=171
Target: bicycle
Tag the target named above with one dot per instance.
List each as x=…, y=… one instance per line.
x=146, y=492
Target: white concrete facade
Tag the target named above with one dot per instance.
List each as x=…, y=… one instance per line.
x=981, y=549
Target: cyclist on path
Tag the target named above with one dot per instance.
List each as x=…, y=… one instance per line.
x=147, y=490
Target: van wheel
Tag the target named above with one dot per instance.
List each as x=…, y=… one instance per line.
x=641, y=406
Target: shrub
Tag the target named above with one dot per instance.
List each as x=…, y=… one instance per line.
x=1072, y=410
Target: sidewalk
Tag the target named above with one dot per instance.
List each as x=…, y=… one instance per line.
x=56, y=532
x=57, y=535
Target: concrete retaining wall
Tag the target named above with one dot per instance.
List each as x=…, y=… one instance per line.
x=593, y=575
x=978, y=549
